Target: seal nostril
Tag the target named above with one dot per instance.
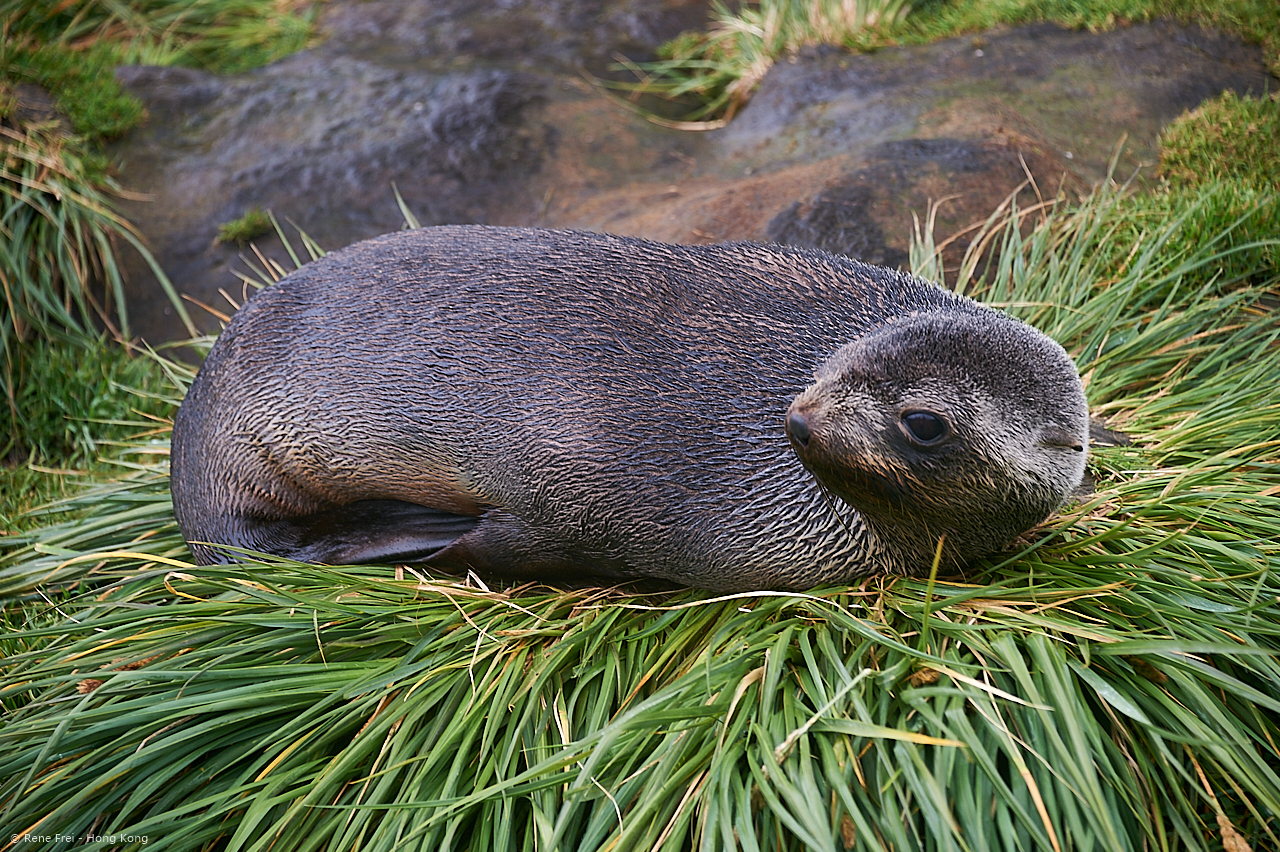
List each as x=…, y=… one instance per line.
x=798, y=428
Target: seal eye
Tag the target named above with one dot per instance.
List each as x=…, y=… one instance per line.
x=924, y=427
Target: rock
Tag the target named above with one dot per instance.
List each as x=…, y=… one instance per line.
x=837, y=150
x=967, y=178
x=478, y=112
x=29, y=104
x=562, y=36
x=393, y=99
x=321, y=142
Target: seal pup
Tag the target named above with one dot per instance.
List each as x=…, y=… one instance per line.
x=576, y=406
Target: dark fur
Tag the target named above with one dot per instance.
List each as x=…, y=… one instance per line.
x=569, y=405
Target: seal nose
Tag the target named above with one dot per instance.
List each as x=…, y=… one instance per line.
x=798, y=428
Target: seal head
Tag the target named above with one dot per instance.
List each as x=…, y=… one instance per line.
x=945, y=427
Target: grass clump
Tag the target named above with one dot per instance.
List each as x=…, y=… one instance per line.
x=59, y=231
x=72, y=48
x=83, y=83
x=58, y=260
x=223, y=36
x=68, y=413
x=1111, y=685
x=57, y=266
x=1226, y=138
x=719, y=69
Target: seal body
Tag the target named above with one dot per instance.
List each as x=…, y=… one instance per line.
x=569, y=405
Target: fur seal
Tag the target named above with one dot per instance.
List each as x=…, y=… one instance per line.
x=573, y=406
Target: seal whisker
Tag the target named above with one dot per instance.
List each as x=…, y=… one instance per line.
x=827, y=498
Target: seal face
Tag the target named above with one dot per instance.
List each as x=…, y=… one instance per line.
x=930, y=429
x=567, y=405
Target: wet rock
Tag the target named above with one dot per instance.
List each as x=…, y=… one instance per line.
x=1075, y=91
x=478, y=112
x=322, y=142
x=30, y=105
x=543, y=35
x=853, y=213
x=840, y=220
x=444, y=101
x=839, y=150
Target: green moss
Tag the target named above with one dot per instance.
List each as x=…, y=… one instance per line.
x=1228, y=138
x=1228, y=144
x=253, y=224
x=82, y=83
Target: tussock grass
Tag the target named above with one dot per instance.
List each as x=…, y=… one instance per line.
x=225, y=36
x=717, y=70
x=58, y=272
x=59, y=231
x=1111, y=684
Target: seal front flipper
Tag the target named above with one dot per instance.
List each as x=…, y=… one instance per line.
x=363, y=532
